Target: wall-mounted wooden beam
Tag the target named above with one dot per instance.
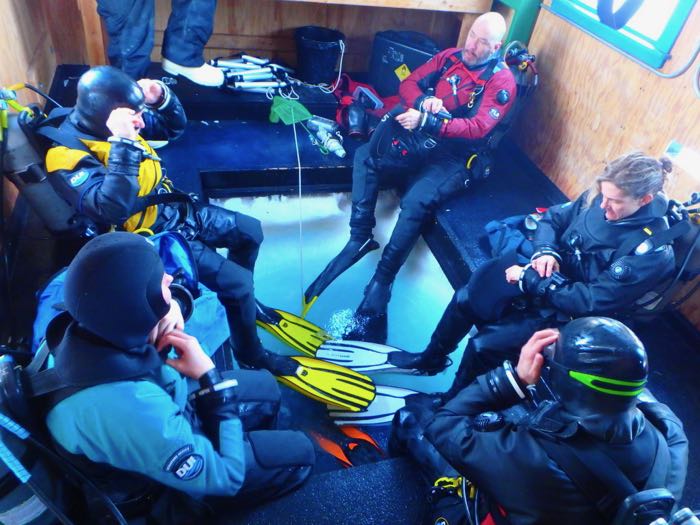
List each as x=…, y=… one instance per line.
x=92, y=31
x=458, y=6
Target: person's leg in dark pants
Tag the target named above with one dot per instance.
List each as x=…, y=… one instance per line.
x=258, y=396
x=189, y=28
x=277, y=461
x=233, y=285
x=232, y=279
x=434, y=184
x=130, y=27
x=365, y=188
x=495, y=343
x=455, y=323
x=241, y=234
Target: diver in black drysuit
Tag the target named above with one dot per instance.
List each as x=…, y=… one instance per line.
x=110, y=179
x=593, y=279
x=490, y=434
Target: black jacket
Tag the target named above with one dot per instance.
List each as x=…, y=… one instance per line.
x=107, y=181
x=513, y=470
x=602, y=281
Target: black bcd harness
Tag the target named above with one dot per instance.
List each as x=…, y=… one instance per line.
x=603, y=483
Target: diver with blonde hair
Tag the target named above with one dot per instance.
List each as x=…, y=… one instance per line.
x=589, y=258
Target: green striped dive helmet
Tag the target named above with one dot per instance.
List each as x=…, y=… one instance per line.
x=599, y=366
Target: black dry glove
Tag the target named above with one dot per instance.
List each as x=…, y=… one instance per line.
x=505, y=386
x=531, y=283
x=215, y=402
x=124, y=156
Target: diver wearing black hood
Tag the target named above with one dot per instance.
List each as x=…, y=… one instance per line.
x=106, y=170
x=127, y=406
x=598, y=368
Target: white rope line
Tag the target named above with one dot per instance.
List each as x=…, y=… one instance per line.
x=301, y=216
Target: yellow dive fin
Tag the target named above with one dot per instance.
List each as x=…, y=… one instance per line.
x=331, y=384
x=291, y=329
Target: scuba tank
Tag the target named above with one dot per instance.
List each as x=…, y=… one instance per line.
x=23, y=166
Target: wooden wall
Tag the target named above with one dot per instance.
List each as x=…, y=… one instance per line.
x=26, y=52
x=593, y=105
x=26, y=55
x=266, y=27
x=35, y=35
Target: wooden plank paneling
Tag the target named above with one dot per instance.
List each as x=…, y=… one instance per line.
x=26, y=53
x=593, y=105
x=266, y=27
x=92, y=32
x=461, y=6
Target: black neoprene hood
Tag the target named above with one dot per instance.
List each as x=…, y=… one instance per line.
x=101, y=90
x=113, y=288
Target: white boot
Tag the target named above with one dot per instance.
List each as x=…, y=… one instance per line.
x=204, y=75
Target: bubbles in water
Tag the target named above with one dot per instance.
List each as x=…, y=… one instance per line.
x=343, y=321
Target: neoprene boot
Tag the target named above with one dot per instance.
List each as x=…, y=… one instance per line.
x=357, y=121
x=454, y=324
x=370, y=322
x=247, y=347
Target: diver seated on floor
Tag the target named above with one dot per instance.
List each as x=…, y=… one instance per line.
x=101, y=164
x=125, y=416
x=572, y=459
x=589, y=258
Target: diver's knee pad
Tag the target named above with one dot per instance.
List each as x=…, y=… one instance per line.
x=258, y=397
x=281, y=449
x=277, y=461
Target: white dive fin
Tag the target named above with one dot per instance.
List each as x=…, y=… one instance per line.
x=387, y=401
x=360, y=356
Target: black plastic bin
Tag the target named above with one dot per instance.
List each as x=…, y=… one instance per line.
x=318, y=49
x=395, y=54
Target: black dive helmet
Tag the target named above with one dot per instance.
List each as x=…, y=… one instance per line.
x=102, y=89
x=113, y=289
x=599, y=366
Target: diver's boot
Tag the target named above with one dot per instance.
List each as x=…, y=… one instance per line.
x=204, y=75
x=259, y=358
x=247, y=347
x=371, y=320
x=355, y=249
x=454, y=324
x=433, y=360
